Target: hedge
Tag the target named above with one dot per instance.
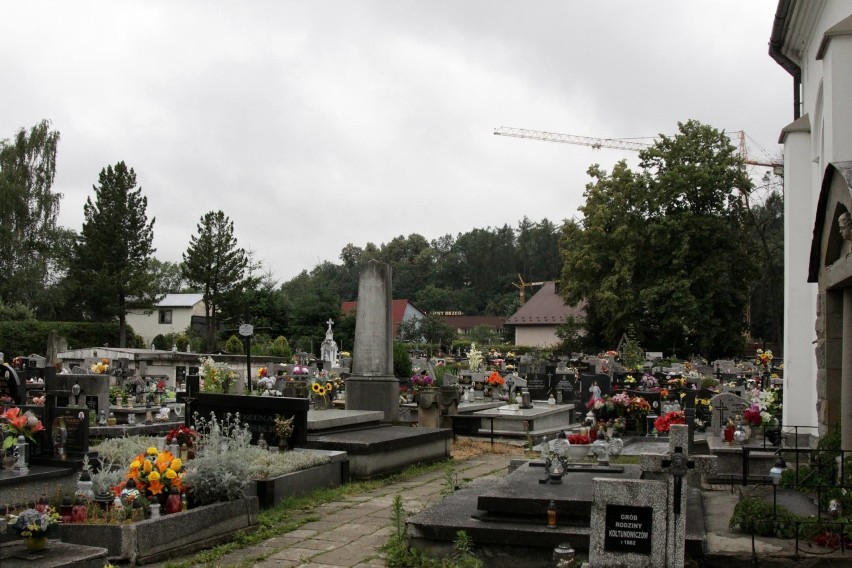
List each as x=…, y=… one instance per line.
x=28, y=337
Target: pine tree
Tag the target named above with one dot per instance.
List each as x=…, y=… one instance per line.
x=215, y=264
x=115, y=249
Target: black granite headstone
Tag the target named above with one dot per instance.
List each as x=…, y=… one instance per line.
x=586, y=382
x=77, y=428
x=538, y=386
x=10, y=385
x=258, y=411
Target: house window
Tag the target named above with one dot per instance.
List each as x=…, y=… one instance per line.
x=166, y=316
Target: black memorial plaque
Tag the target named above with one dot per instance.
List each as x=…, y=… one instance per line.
x=565, y=382
x=628, y=529
x=538, y=385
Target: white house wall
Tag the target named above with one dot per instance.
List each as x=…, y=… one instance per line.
x=148, y=326
x=536, y=336
x=826, y=96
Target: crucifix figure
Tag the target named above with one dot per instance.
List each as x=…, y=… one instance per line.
x=678, y=465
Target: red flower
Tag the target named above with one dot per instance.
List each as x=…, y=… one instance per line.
x=664, y=422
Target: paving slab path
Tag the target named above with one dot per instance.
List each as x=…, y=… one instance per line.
x=351, y=533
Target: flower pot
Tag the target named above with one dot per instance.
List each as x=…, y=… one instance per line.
x=35, y=543
x=579, y=451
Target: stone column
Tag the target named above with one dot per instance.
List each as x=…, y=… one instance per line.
x=846, y=374
x=372, y=385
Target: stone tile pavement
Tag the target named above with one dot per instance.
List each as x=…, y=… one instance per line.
x=350, y=533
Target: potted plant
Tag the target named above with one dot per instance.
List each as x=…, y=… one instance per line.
x=579, y=445
x=33, y=525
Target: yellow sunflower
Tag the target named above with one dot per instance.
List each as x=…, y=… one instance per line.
x=316, y=387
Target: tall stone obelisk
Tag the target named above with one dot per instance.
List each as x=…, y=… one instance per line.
x=372, y=385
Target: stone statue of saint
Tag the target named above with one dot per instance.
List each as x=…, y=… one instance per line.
x=328, y=349
x=474, y=358
x=845, y=222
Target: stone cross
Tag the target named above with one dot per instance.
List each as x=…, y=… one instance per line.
x=675, y=465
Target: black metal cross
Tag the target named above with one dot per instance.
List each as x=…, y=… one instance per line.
x=678, y=465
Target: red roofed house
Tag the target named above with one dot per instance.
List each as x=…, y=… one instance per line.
x=403, y=310
x=536, y=321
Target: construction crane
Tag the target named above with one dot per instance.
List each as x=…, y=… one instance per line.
x=614, y=143
x=522, y=296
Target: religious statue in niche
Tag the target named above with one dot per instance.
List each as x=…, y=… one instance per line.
x=845, y=222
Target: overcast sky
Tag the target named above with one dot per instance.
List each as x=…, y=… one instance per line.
x=317, y=124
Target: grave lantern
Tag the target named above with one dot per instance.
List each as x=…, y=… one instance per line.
x=775, y=473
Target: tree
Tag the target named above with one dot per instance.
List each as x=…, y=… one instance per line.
x=665, y=249
x=113, y=254
x=30, y=259
x=167, y=276
x=215, y=264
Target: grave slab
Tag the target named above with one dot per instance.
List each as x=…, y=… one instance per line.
x=57, y=555
x=375, y=451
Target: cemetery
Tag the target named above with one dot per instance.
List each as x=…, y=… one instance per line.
x=111, y=455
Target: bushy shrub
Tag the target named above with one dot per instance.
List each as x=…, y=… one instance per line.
x=234, y=345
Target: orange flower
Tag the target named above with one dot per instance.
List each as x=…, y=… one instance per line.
x=155, y=487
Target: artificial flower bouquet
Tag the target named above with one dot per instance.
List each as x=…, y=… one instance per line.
x=33, y=523
x=495, y=380
x=19, y=424
x=664, y=423
x=422, y=381
x=155, y=473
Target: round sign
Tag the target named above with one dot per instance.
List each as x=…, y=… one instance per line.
x=246, y=329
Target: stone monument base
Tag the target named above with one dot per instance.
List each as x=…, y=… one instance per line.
x=374, y=393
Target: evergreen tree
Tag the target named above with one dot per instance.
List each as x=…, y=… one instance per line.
x=215, y=264
x=113, y=254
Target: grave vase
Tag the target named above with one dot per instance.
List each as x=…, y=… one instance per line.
x=35, y=543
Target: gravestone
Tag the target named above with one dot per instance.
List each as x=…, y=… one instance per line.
x=628, y=524
x=674, y=467
x=258, y=411
x=11, y=386
x=76, y=428
x=586, y=382
x=372, y=385
x=725, y=405
x=538, y=385
x=92, y=390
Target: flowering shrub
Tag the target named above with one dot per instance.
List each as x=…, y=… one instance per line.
x=664, y=422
